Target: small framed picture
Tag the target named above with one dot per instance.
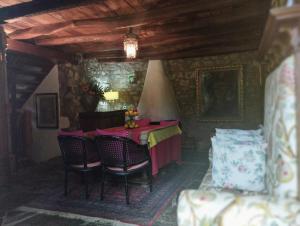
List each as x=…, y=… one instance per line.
x=46, y=110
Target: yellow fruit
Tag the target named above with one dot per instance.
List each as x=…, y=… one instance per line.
x=126, y=126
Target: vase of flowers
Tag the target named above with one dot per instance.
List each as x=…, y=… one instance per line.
x=91, y=94
x=130, y=115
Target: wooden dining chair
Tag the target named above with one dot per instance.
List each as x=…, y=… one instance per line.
x=121, y=156
x=79, y=154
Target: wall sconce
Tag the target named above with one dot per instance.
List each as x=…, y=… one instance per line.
x=111, y=95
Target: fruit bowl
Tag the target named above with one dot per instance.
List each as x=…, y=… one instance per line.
x=129, y=119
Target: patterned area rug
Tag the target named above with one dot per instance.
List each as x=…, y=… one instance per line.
x=144, y=208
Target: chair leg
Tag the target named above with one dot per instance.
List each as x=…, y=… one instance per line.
x=126, y=190
x=149, y=174
x=86, y=185
x=102, y=183
x=82, y=178
x=66, y=182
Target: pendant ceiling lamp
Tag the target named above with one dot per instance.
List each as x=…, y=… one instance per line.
x=130, y=44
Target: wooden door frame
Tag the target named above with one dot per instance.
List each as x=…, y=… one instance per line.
x=5, y=143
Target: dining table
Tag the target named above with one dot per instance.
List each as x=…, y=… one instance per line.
x=163, y=140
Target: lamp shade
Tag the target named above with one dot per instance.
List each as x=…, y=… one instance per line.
x=111, y=95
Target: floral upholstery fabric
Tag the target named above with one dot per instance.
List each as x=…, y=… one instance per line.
x=280, y=130
x=216, y=208
x=209, y=206
x=261, y=211
x=197, y=207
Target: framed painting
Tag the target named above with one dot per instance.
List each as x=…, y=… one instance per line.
x=46, y=110
x=219, y=94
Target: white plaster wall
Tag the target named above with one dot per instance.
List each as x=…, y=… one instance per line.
x=44, y=141
x=157, y=101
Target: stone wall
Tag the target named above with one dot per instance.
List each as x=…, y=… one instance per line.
x=128, y=79
x=69, y=92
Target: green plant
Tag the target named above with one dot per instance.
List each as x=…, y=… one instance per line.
x=92, y=89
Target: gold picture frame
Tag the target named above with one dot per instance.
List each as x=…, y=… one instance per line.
x=219, y=94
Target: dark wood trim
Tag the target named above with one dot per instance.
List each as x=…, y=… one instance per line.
x=4, y=114
x=101, y=120
x=278, y=18
x=50, y=54
x=37, y=7
x=13, y=114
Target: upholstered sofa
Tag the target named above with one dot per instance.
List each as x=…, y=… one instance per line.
x=278, y=204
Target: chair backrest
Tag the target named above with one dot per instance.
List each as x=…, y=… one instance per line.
x=122, y=152
x=280, y=131
x=78, y=150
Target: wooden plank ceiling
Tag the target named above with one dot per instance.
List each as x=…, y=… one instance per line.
x=167, y=29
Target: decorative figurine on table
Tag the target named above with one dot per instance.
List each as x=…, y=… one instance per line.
x=130, y=115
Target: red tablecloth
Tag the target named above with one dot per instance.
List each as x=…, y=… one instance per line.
x=135, y=133
x=164, y=152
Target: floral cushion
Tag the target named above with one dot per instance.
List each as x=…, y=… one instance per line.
x=239, y=131
x=238, y=166
x=241, y=140
x=206, y=184
x=240, y=137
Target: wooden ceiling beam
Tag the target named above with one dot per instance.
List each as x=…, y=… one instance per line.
x=174, y=39
x=201, y=52
x=38, y=7
x=208, y=24
x=115, y=36
x=205, y=52
x=198, y=50
x=109, y=24
x=156, y=15
x=245, y=19
x=43, y=52
x=187, y=48
x=33, y=32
